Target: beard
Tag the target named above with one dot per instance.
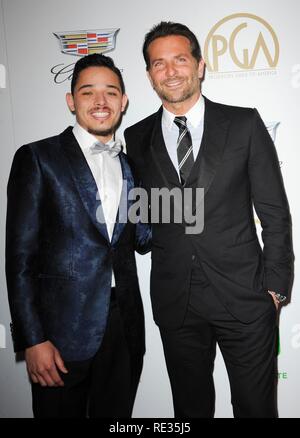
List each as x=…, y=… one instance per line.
x=168, y=97
x=178, y=96
x=102, y=132
x=105, y=132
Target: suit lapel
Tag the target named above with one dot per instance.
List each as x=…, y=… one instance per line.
x=216, y=126
x=210, y=154
x=160, y=156
x=83, y=180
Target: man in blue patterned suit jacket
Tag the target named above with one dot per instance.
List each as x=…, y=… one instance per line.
x=72, y=281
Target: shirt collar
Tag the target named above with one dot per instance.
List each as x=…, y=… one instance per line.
x=194, y=115
x=85, y=139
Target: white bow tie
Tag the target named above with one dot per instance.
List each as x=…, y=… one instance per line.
x=114, y=148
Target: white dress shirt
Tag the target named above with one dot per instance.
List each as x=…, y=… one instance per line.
x=195, y=124
x=107, y=174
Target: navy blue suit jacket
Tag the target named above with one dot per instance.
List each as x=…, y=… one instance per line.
x=59, y=258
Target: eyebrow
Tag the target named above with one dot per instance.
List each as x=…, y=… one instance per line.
x=156, y=59
x=162, y=59
x=92, y=85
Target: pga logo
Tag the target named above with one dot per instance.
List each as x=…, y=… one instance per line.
x=241, y=42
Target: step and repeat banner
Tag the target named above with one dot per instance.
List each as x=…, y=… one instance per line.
x=251, y=50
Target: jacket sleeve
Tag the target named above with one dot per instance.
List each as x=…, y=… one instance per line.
x=272, y=208
x=143, y=238
x=23, y=224
x=143, y=231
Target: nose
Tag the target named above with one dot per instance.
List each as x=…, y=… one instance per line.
x=170, y=69
x=100, y=99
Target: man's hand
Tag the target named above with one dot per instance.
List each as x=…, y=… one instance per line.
x=276, y=301
x=42, y=361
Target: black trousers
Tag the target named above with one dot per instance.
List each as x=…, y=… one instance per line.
x=101, y=387
x=249, y=352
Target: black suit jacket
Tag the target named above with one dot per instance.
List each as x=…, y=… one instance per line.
x=237, y=166
x=59, y=258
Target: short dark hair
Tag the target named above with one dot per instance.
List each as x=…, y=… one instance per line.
x=95, y=60
x=166, y=28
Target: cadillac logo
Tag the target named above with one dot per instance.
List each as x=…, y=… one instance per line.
x=81, y=43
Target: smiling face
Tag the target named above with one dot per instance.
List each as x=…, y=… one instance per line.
x=98, y=102
x=174, y=73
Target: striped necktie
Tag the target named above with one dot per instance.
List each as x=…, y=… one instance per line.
x=184, y=149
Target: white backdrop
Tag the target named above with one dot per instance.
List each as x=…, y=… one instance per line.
x=32, y=106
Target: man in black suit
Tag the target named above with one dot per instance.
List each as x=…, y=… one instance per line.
x=70, y=264
x=217, y=286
